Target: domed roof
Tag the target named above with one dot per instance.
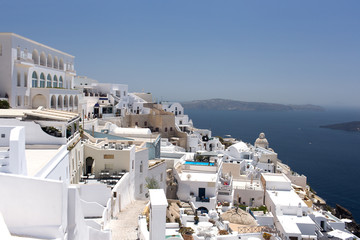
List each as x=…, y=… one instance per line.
x=240, y=146
x=261, y=141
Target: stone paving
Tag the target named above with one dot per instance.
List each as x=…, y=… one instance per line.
x=124, y=225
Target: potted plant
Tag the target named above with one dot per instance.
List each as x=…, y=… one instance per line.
x=196, y=219
x=266, y=236
x=186, y=233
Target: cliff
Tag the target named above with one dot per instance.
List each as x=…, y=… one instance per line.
x=233, y=105
x=348, y=126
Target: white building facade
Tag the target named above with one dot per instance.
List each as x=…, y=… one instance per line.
x=33, y=74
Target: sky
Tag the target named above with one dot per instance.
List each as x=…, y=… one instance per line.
x=290, y=52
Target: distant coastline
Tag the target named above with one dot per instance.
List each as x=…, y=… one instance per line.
x=347, y=126
x=234, y=105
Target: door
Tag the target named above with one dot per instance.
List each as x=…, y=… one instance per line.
x=201, y=193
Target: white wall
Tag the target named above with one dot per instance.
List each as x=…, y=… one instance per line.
x=141, y=157
x=58, y=167
x=34, y=135
x=96, y=192
x=124, y=190
x=158, y=172
x=33, y=207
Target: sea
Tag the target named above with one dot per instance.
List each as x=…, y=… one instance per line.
x=329, y=158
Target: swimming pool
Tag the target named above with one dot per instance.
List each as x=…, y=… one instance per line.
x=199, y=163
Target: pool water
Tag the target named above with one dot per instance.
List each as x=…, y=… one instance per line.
x=199, y=163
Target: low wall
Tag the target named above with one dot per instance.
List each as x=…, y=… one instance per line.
x=124, y=194
x=92, y=209
x=33, y=207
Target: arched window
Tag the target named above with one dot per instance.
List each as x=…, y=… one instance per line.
x=171, y=129
x=56, y=62
x=166, y=129
x=42, y=59
x=34, y=79
x=42, y=80
x=55, y=81
x=145, y=123
x=49, y=61
x=71, y=101
x=60, y=101
x=48, y=82
x=61, y=82
x=76, y=101
x=61, y=64
x=35, y=56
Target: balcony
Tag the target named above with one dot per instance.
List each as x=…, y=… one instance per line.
x=207, y=202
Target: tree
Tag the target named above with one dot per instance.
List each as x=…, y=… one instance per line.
x=4, y=104
x=151, y=183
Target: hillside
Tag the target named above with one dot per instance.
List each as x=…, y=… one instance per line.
x=233, y=105
x=348, y=126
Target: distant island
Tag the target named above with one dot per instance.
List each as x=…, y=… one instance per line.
x=348, y=126
x=233, y=105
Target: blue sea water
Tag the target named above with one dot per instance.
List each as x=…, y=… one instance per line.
x=329, y=158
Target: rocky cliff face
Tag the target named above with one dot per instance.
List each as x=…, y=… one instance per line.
x=341, y=213
x=226, y=104
x=348, y=126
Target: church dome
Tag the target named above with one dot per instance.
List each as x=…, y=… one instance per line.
x=261, y=141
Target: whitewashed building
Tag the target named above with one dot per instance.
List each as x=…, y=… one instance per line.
x=33, y=74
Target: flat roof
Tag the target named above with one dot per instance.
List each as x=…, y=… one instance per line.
x=285, y=198
x=108, y=136
x=198, y=176
x=157, y=197
x=247, y=185
x=36, y=159
x=39, y=113
x=290, y=223
x=37, y=43
x=275, y=177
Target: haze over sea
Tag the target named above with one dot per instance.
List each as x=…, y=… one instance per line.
x=329, y=158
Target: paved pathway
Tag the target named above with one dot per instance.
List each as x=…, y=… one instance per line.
x=124, y=227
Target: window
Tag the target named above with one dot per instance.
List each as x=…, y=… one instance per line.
x=42, y=80
x=109, y=166
x=61, y=82
x=25, y=79
x=180, y=122
x=2, y=135
x=55, y=82
x=108, y=156
x=161, y=177
x=18, y=79
x=166, y=129
x=0, y=49
x=18, y=52
x=145, y=123
x=18, y=101
x=136, y=123
x=141, y=188
x=48, y=81
x=171, y=129
x=141, y=167
x=132, y=165
x=34, y=79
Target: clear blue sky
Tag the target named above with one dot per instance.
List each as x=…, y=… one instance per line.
x=292, y=52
